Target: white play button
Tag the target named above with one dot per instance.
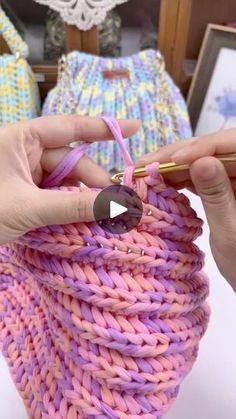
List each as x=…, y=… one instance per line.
x=116, y=209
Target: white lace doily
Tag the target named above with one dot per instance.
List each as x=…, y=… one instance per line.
x=82, y=13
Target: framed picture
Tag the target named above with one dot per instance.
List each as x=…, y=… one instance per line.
x=212, y=95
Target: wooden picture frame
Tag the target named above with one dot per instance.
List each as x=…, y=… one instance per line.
x=216, y=38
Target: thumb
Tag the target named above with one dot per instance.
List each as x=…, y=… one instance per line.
x=59, y=207
x=214, y=187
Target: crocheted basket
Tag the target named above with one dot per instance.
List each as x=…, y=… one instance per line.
x=125, y=88
x=19, y=94
x=95, y=325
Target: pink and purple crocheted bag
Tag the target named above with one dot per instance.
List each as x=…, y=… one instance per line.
x=95, y=325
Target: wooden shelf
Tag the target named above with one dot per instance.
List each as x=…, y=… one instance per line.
x=3, y=46
x=46, y=76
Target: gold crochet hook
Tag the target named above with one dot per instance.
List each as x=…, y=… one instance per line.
x=171, y=171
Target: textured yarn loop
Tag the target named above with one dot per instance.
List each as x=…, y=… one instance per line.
x=95, y=325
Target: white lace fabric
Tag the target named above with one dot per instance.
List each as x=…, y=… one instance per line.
x=83, y=13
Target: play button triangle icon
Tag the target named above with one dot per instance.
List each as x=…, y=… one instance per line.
x=116, y=209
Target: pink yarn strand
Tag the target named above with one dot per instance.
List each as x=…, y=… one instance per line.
x=65, y=167
x=72, y=158
x=116, y=131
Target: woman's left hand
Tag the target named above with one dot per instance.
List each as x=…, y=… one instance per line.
x=31, y=150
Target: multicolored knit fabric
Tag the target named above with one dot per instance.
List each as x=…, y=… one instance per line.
x=95, y=325
x=19, y=96
x=146, y=92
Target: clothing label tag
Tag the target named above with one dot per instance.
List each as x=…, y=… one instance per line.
x=116, y=74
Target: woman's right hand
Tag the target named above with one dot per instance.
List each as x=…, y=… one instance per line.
x=29, y=152
x=215, y=185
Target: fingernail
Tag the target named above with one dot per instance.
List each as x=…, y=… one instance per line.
x=141, y=162
x=179, y=155
x=209, y=171
x=147, y=158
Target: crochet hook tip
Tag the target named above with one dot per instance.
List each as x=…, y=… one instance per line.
x=141, y=171
x=118, y=177
x=170, y=167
